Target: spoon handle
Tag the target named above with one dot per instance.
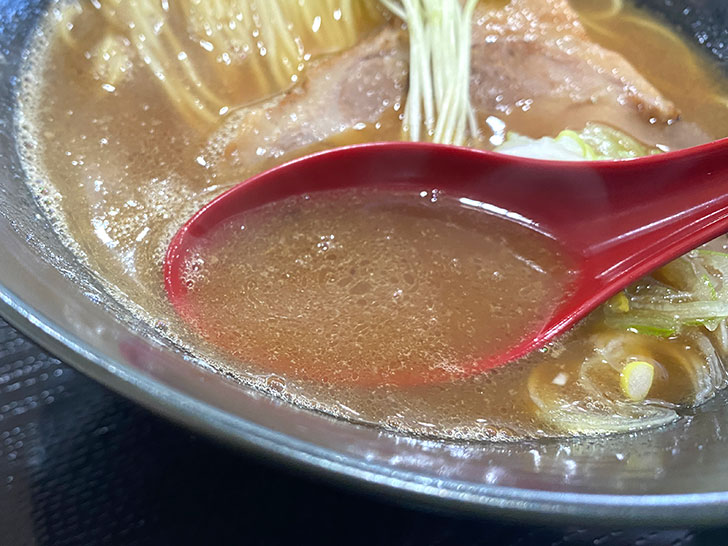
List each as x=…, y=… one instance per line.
x=655, y=210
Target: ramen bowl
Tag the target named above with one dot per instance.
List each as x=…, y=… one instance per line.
x=676, y=474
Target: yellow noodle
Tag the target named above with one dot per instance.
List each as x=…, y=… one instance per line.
x=270, y=37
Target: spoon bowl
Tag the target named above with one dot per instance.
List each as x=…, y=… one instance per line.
x=614, y=220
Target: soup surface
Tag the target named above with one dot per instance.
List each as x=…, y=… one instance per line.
x=371, y=286
x=135, y=114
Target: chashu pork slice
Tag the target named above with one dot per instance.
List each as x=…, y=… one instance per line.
x=532, y=64
x=338, y=93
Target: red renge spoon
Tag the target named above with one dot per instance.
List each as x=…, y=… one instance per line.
x=616, y=220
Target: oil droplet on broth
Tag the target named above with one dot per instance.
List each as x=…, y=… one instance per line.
x=371, y=287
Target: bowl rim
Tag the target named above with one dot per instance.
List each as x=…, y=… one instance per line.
x=549, y=507
x=448, y=495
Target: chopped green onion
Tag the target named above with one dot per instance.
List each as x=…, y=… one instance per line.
x=619, y=303
x=595, y=141
x=636, y=379
x=689, y=291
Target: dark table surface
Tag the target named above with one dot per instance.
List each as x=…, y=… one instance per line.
x=81, y=465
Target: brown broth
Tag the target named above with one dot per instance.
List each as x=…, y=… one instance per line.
x=371, y=286
x=118, y=172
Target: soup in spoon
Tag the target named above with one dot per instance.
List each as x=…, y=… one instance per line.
x=370, y=286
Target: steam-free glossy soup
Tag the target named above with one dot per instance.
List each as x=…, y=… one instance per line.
x=371, y=286
x=121, y=149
